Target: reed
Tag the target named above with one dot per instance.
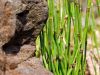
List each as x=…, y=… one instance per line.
x=63, y=42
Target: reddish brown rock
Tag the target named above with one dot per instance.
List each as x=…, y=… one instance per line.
x=7, y=22
x=21, y=21
x=30, y=67
x=26, y=52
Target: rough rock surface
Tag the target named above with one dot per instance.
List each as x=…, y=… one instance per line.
x=21, y=21
x=30, y=67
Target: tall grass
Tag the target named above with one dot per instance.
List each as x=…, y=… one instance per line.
x=63, y=42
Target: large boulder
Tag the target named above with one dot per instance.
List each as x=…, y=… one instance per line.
x=21, y=21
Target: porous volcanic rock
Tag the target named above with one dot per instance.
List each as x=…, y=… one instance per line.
x=21, y=21
x=32, y=66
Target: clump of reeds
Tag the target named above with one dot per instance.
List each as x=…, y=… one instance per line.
x=63, y=42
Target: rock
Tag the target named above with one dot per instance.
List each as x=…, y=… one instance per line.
x=24, y=54
x=30, y=67
x=29, y=22
x=21, y=21
x=93, y=61
x=7, y=22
